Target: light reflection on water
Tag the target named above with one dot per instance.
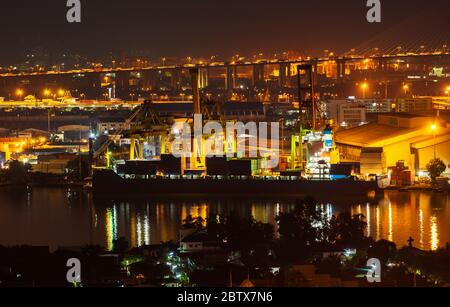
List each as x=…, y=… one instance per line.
x=57, y=218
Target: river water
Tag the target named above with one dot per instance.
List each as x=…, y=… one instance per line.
x=59, y=217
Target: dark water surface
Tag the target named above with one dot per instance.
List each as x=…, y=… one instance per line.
x=60, y=217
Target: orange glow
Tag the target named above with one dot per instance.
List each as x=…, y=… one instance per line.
x=433, y=127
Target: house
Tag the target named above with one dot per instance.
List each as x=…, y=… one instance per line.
x=198, y=241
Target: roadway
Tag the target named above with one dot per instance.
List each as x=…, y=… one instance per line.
x=307, y=60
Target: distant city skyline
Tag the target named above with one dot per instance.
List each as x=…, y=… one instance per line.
x=202, y=29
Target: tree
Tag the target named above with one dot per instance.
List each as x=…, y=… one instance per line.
x=92, y=250
x=246, y=234
x=346, y=229
x=120, y=246
x=193, y=223
x=383, y=250
x=435, y=168
x=250, y=238
x=302, y=230
x=16, y=173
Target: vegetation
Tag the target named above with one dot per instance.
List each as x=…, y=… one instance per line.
x=16, y=173
x=435, y=168
x=243, y=235
x=120, y=246
x=306, y=232
x=302, y=232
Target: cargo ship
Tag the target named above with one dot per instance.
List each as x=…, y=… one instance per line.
x=108, y=185
x=216, y=176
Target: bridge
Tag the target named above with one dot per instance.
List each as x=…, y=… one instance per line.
x=300, y=61
x=424, y=38
x=424, y=35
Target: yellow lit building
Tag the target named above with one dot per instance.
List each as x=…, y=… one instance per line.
x=12, y=146
x=413, y=139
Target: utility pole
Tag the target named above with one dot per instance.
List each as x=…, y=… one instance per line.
x=434, y=140
x=48, y=122
x=79, y=159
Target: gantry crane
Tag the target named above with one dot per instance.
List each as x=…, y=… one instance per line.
x=148, y=125
x=144, y=123
x=210, y=110
x=309, y=119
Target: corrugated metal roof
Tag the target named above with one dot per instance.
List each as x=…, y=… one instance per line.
x=377, y=135
x=370, y=134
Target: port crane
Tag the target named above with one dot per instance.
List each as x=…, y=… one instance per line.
x=309, y=119
x=148, y=127
x=144, y=123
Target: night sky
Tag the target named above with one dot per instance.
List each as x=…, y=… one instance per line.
x=195, y=28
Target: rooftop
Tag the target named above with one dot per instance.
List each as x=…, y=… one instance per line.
x=390, y=128
x=371, y=134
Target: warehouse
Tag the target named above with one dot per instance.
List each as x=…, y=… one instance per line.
x=413, y=139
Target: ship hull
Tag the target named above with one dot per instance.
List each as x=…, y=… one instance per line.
x=108, y=185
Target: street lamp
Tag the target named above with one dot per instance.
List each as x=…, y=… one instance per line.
x=433, y=129
x=19, y=93
x=405, y=88
x=364, y=87
x=47, y=93
x=447, y=91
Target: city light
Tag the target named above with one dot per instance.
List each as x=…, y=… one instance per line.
x=406, y=88
x=19, y=93
x=286, y=165
x=364, y=87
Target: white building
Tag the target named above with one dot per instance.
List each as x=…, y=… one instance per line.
x=374, y=105
x=346, y=113
x=106, y=127
x=192, y=241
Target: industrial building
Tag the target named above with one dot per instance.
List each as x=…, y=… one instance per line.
x=346, y=113
x=416, y=104
x=106, y=126
x=230, y=110
x=412, y=139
